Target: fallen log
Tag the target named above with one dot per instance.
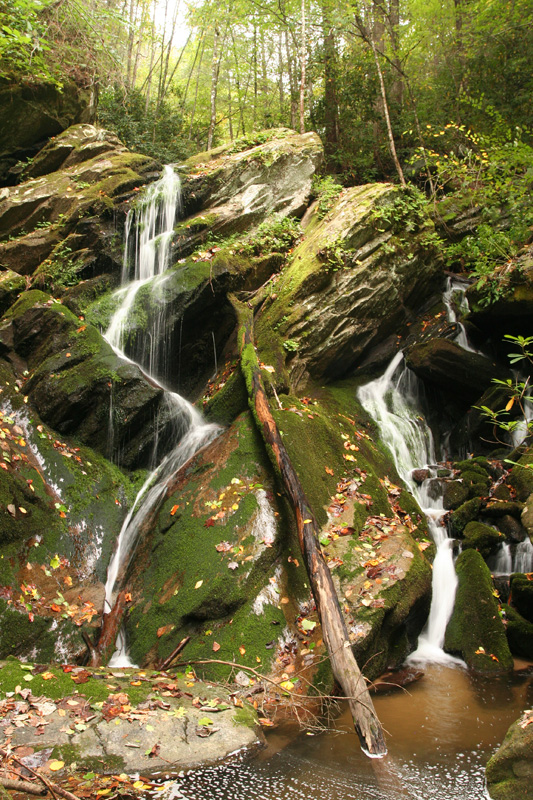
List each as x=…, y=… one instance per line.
x=343, y=663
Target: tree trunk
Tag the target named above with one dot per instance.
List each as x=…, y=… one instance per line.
x=334, y=630
x=303, y=64
x=392, y=145
x=331, y=109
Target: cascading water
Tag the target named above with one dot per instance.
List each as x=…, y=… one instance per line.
x=394, y=403
x=148, y=235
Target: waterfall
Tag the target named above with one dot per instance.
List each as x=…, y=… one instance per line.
x=523, y=557
x=394, y=402
x=454, y=297
x=148, y=234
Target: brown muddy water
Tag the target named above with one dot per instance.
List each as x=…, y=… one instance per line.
x=440, y=735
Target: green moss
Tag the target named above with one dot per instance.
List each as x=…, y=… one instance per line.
x=482, y=538
x=228, y=402
x=475, y=629
x=522, y=595
x=519, y=633
x=508, y=772
x=170, y=584
x=459, y=519
x=521, y=477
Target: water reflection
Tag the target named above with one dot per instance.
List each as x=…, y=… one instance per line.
x=440, y=735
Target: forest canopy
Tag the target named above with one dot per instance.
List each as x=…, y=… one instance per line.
x=175, y=77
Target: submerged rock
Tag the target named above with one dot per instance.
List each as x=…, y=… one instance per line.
x=509, y=772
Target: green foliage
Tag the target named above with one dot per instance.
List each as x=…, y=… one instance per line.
x=23, y=45
x=325, y=190
x=291, y=345
x=156, y=131
x=514, y=419
x=273, y=236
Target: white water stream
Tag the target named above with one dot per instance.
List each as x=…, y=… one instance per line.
x=393, y=401
x=148, y=235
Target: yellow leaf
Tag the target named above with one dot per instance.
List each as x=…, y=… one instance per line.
x=242, y=650
x=510, y=404
x=307, y=520
x=55, y=765
x=198, y=584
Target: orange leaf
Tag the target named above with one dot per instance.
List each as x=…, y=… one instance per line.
x=329, y=470
x=216, y=647
x=510, y=404
x=242, y=650
x=173, y=510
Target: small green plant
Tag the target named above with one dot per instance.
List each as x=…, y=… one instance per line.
x=290, y=345
x=405, y=213
x=507, y=420
x=326, y=190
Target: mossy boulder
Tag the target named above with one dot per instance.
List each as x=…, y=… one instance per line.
x=475, y=630
x=371, y=527
x=446, y=365
x=38, y=638
x=461, y=516
x=522, y=594
x=482, y=538
x=519, y=633
x=351, y=284
x=509, y=772
x=454, y=495
x=184, y=312
x=78, y=384
x=225, y=509
x=35, y=112
x=521, y=477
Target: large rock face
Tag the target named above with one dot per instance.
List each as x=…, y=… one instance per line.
x=233, y=191
x=33, y=113
x=351, y=285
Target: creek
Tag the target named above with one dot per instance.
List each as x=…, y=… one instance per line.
x=440, y=734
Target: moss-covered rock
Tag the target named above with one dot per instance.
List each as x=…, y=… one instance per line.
x=509, y=772
x=519, y=633
x=454, y=495
x=482, y=538
x=35, y=112
x=78, y=384
x=522, y=594
x=475, y=630
x=224, y=501
x=351, y=284
x=521, y=477
x=465, y=513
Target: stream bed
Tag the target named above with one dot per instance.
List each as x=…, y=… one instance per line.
x=440, y=733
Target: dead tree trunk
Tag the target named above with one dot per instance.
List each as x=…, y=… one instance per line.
x=334, y=630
